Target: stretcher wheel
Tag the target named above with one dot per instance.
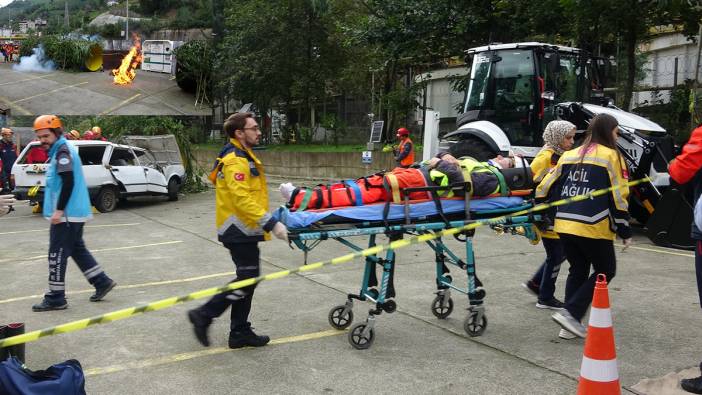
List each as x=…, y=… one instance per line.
x=358, y=340
x=339, y=320
x=390, y=306
x=439, y=311
x=473, y=326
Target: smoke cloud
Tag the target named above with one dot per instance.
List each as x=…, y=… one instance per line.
x=37, y=63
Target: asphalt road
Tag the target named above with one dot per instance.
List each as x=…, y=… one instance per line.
x=156, y=249
x=83, y=93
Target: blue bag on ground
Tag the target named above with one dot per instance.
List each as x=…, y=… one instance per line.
x=65, y=378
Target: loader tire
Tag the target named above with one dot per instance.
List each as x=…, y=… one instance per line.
x=474, y=147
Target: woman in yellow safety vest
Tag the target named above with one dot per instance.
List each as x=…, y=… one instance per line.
x=558, y=138
x=588, y=228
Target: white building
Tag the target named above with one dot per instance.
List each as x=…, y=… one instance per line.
x=27, y=25
x=671, y=59
x=441, y=95
x=5, y=32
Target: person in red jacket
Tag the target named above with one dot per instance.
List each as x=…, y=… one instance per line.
x=37, y=155
x=685, y=169
x=97, y=133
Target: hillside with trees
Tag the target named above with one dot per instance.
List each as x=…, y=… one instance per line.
x=154, y=15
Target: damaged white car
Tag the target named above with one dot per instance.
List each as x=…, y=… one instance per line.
x=146, y=165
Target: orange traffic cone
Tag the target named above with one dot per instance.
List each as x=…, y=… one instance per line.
x=598, y=373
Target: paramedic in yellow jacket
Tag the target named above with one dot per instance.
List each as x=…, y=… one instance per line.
x=242, y=221
x=589, y=227
x=558, y=138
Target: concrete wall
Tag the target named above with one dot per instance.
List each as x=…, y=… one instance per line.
x=661, y=52
x=314, y=165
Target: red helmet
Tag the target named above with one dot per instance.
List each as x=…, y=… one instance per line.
x=402, y=132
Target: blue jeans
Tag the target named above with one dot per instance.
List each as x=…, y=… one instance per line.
x=66, y=239
x=547, y=273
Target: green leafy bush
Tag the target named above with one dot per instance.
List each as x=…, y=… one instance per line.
x=67, y=53
x=194, y=68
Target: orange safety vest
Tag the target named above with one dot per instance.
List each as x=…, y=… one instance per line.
x=367, y=190
x=409, y=159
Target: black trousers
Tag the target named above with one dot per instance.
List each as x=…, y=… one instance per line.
x=66, y=239
x=548, y=271
x=583, y=254
x=246, y=260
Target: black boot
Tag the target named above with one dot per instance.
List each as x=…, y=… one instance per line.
x=244, y=337
x=200, y=326
x=692, y=385
x=47, y=305
x=101, y=292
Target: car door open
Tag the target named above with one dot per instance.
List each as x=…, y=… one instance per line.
x=156, y=181
x=124, y=168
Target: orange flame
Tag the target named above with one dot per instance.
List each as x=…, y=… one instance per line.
x=126, y=72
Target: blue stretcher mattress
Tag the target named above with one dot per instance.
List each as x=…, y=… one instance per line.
x=417, y=211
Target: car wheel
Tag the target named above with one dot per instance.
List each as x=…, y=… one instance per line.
x=173, y=188
x=107, y=199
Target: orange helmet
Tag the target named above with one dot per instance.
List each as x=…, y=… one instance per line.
x=73, y=135
x=97, y=130
x=47, y=122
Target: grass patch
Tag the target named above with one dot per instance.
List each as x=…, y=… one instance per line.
x=294, y=147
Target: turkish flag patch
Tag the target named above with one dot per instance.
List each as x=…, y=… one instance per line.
x=625, y=174
x=239, y=176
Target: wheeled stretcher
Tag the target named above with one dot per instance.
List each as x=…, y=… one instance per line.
x=307, y=229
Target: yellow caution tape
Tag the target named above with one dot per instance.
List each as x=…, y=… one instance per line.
x=164, y=303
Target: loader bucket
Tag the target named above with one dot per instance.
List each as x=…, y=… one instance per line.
x=669, y=225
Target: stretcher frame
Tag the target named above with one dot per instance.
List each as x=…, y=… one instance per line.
x=362, y=335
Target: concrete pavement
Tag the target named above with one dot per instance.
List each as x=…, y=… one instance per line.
x=156, y=249
x=82, y=93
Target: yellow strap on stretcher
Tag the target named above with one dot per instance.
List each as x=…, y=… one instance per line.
x=394, y=187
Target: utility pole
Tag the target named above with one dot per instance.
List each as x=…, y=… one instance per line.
x=697, y=63
x=66, y=21
x=126, y=31
x=220, y=97
x=693, y=105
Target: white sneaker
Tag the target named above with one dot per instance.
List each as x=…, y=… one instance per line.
x=564, y=334
x=567, y=322
x=286, y=190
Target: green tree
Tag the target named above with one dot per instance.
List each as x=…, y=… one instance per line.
x=281, y=51
x=625, y=24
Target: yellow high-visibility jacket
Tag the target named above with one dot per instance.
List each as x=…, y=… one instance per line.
x=544, y=161
x=242, y=198
x=602, y=217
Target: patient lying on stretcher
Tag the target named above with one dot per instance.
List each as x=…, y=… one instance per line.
x=497, y=176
